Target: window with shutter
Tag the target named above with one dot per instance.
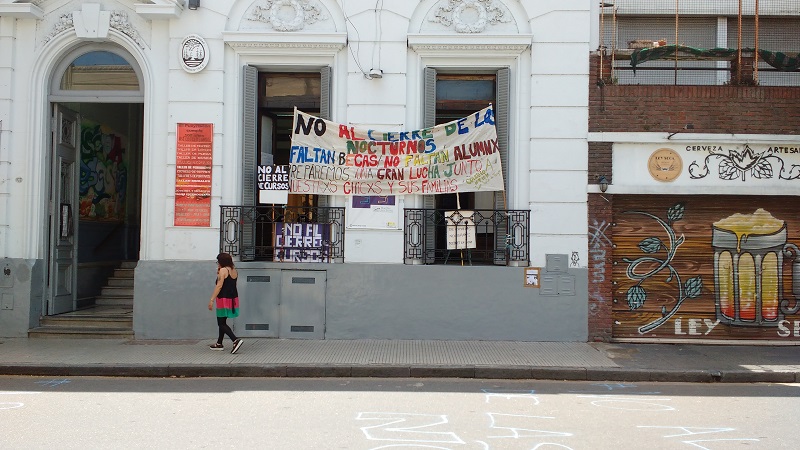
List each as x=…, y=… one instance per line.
x=269, y=102
x=452, y=96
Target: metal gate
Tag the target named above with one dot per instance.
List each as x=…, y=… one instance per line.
x=706, y=267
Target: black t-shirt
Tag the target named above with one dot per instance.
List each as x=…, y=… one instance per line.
x=228, y=288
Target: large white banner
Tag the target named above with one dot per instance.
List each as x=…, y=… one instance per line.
x=336, y=159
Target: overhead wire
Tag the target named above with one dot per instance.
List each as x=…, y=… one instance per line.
x=358, y=40
x=378, y=33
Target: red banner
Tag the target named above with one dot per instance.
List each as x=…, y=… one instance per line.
x=193, y=160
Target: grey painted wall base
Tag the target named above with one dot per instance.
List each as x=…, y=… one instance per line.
x=372, y=301
x=21, y=290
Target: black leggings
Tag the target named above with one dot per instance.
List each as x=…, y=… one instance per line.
x=222, y=323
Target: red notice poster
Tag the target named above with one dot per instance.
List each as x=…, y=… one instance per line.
x=193, y=174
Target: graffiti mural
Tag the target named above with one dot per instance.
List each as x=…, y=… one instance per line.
x=104, y=172
x=733, y=165
x=706, y=267
x=645, y=267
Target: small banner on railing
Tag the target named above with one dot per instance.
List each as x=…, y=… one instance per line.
x=302, y=242
x=272, y=183
x=460, y=229
x=336, y=159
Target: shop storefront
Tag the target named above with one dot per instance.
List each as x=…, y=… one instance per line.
x=702, y=242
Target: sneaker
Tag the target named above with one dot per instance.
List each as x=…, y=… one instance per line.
x=236, y=344
x=216, y=346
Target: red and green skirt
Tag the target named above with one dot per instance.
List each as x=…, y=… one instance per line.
x=227, y=307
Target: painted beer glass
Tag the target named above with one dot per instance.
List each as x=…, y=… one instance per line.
x=749, y=252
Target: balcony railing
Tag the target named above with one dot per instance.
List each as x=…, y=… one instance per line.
x=431, y=236
x=283, y=233
x=474, y=237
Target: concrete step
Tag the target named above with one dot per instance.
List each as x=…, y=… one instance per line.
x=114, y=300
x=110, y=316
x=120, y=282
x=81, y=332
x=123, y=273
x=112, y=291
x=105, y=321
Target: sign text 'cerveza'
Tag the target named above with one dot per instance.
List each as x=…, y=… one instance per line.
x=336, y=159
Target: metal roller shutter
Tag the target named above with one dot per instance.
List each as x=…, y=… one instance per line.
x=705, y=267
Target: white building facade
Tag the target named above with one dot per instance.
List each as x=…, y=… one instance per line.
x=93, y=95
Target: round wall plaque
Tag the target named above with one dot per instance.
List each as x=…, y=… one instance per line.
x=665, y=164
x=194, y=53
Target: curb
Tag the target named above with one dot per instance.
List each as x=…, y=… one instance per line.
x=372, y=371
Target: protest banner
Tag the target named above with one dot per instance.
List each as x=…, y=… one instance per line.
x=272, y=183
x=336, y=159
x=460, y=229
x=302, y=242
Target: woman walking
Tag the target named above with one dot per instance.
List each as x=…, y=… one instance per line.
x=227, y=299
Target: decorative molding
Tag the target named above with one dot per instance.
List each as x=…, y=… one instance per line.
x=294, y=45
x=489, y=12
x=118, y=20
x=495, y=45
x=64, y=23
x=321, y=42
x=272, y=12
x=67, y=131
x=502, y=48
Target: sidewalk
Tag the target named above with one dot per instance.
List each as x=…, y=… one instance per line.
x=381, y=358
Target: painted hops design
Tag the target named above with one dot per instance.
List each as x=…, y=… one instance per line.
x=738, y=165
x=638, y=268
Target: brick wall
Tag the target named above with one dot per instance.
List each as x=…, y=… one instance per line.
x=600, y=266
x=710, y=109
x=600, y=161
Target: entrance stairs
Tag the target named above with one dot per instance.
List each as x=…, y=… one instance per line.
x=111, y=316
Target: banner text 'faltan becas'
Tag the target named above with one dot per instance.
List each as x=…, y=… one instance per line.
x=336, y=159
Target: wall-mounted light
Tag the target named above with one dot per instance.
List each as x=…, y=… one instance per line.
x=374, y=74
x=603, y=182
x=194, y=4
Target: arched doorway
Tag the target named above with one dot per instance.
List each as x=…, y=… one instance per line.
x=97, y=105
